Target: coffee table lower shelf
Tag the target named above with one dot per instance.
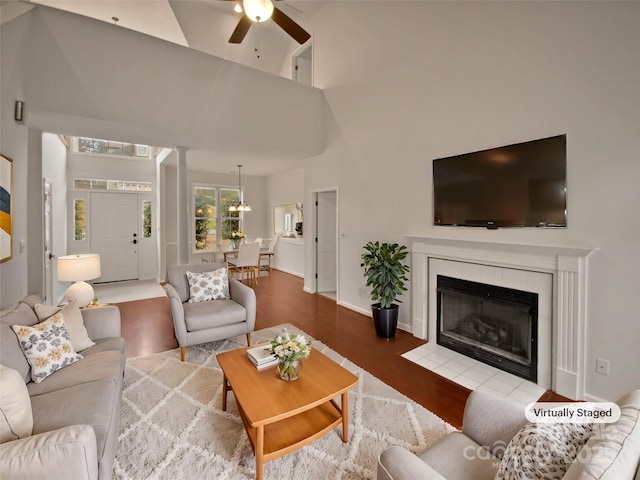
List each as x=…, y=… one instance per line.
x=294, y=432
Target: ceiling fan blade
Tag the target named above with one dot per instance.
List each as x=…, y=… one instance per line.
x=292, y=28
x=241, y=30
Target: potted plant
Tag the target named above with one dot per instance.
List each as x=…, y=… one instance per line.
x=386, y=274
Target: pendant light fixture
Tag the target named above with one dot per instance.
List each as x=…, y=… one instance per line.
x=239, y=206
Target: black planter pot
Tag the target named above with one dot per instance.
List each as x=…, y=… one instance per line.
x=385, y=320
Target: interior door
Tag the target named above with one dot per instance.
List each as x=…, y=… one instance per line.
x=114, y=235
x=326, y=245
x=303, y=65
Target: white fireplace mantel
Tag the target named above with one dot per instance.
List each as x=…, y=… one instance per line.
x=567, y=265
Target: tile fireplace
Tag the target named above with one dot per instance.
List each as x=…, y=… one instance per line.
x=495, y=325
x=552, y=282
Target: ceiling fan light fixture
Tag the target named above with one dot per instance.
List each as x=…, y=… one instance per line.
x=238, y=8
x=258, y=10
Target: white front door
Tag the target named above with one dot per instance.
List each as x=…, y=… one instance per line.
x=114, y=235
x=327, y=239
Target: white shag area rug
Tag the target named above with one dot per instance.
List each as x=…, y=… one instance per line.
x=173, y=427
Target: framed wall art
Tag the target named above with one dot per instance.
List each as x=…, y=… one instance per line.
x=6, y=202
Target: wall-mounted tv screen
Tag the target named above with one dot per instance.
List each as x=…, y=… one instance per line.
x=520, y=185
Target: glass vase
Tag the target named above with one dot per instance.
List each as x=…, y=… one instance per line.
x=289, y=369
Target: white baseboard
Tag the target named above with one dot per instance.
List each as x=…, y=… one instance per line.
x=290, y=272
x=363, y=311
x=367, y=313
x=593, y=398
x=405, y=327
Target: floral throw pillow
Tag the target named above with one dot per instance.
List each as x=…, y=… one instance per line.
x=207, y=286
x=73, y=322
x=47, y=347
x=543, y=451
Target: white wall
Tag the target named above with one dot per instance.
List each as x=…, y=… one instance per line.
x=407, y=82
x=111, y=167
x=14, y=144
x=289, y=256
x=284, y=188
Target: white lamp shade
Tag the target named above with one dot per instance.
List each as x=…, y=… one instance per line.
x=258, y=10
x=84, y=266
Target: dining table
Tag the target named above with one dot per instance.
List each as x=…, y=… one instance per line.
x=264, y=253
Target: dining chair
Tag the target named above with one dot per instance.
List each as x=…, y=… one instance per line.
x=229, y=254
x=247, y=261
x=265, y=255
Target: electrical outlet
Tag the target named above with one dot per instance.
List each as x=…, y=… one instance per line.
x=602, y=366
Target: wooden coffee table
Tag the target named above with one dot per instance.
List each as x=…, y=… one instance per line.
x=280, y=416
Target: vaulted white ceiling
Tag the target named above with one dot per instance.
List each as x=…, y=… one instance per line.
x=203, y=25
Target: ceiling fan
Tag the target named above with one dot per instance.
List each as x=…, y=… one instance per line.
x=259, y=11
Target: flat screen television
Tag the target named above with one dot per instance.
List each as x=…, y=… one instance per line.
x=520, y=185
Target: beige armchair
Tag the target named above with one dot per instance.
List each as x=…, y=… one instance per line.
x=196, y=323
x=612, y=451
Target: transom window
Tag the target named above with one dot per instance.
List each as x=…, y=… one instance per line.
x=212, y=220
x=109, y=147
x=121, y=185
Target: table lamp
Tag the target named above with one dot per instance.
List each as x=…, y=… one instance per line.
x=78, y=268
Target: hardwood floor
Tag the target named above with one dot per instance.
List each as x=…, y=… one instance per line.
x=147, y=327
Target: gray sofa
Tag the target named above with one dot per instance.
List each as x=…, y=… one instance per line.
x=75, y=410
x=202, y=322
x=612, y=451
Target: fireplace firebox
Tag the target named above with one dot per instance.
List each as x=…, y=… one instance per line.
x=492, y=324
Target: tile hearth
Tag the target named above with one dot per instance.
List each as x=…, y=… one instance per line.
x=473, y=374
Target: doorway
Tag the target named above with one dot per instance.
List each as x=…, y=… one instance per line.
x=326, y=243
x=302, y=64
x=114, y=235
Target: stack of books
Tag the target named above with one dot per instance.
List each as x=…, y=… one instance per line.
x=261, y=357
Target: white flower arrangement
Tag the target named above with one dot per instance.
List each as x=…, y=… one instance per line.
x=288, y=347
